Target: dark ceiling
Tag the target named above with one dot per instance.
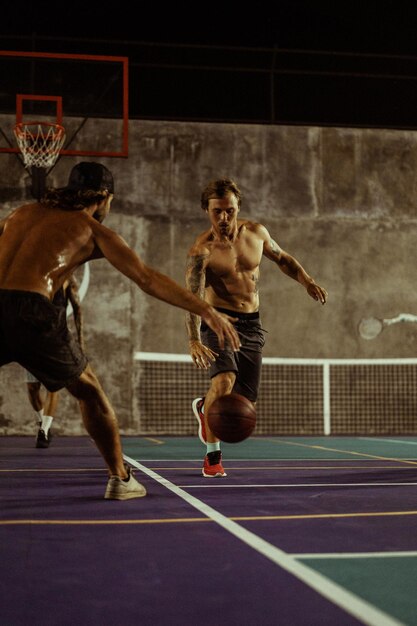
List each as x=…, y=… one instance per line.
x=293, y=62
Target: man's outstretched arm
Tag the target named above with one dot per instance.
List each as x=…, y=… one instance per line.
x=160, y=286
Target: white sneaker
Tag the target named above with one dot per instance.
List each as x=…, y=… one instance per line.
x=119, y=489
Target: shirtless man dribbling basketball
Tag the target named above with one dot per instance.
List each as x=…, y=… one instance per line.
x=41, y=246
x=223, y=267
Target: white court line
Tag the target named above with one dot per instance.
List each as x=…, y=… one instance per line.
x=295, y=485
x=409, y=443
x=365, y=612
x=356, y=555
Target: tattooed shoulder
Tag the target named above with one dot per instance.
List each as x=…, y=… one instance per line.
x=196, y=261
x=274, y=246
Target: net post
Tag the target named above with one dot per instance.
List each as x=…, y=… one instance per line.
x=38, y=187
x=326, y=398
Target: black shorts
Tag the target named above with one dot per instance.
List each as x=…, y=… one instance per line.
x=34, y=333
x=248, y=361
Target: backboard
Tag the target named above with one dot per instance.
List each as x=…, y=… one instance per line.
x=87, y=94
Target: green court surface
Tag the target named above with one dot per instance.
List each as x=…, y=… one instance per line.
x=390, y=583
x=323, y=448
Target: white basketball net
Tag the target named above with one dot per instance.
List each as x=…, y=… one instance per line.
x=39, y=142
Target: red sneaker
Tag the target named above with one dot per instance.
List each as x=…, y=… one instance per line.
x=197, y=406
x=213, y=467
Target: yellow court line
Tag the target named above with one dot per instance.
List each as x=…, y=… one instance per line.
x=191, y=469
x=87, y=522
x=322, y=516
x=158, y=442
x=369, y=456
x=55, y=470
x=292, y=467
x=181, y=520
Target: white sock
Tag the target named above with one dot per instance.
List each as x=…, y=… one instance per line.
x=40, y=416
x=46, y=423
x=213, y=447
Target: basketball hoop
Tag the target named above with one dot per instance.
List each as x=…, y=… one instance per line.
x=39, y=142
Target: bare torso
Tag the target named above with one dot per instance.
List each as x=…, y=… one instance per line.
x=232, y=268
x=41, y=247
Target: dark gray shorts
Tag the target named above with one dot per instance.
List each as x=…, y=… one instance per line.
x=248, y=361
x=34, y=333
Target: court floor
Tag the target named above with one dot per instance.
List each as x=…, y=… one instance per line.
x=302, y=531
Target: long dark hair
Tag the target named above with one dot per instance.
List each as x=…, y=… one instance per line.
x=70, y=200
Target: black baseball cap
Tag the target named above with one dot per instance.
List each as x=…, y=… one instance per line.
x=90, y=175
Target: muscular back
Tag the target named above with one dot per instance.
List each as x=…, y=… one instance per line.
x=40, y=247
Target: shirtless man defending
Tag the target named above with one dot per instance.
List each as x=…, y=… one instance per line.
x=223, y=267
x=41, y=246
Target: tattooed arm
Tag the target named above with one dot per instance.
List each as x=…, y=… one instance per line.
x=292, y=268
x=195, y=279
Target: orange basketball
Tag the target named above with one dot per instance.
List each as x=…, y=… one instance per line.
x=232, y=418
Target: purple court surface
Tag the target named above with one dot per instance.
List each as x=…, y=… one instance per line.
x=302, y=531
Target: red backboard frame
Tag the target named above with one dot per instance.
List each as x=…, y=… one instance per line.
x=20, y=98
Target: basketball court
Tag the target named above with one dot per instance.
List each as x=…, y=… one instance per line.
x=314, y=526
x=302, y=531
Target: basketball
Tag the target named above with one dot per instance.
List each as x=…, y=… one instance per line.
x=232, y=418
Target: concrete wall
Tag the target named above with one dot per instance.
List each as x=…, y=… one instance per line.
x=342, y=201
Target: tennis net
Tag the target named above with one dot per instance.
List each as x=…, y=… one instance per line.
x=297, y=396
